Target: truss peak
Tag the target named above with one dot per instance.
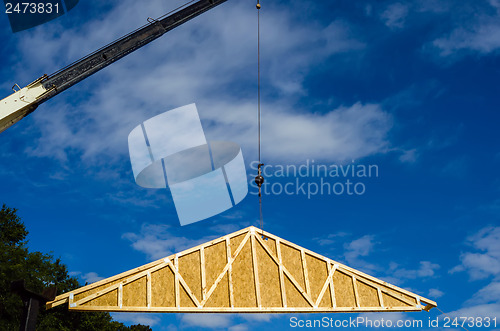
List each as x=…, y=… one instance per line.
x=242, y=273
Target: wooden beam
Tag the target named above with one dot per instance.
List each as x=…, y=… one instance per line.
x=148, y=289
x=183, y=283
x=380, y=297
x=176, y=281
x=355, y=287
x=344, y=268
x=304, y=268
x=325, y=285
x=230, y=272
x=287, y=273
x=70, y=299
x=255, y=271
x=246, y=309
x=407, y=298
x=203, y=274
x=212, y=289
x=332, y=288
x=62, y=298
x=120, y=296
x=214, y=242
x=115, y=286
x=282, y=279
x=387, y=290
x=428, y=307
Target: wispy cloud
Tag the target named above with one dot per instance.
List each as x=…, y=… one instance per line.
x=485, y=261
x=159, y=240
x=208, y=321
x=364, y=253
x=478, y=32
x=137, y=318
x=360, y=247
x=487, y=310
x=426, y=269
x=435, y=293
x=89, y=277
x=488, y=294
x=482, y=265
x=395, y=14
x=203, y=62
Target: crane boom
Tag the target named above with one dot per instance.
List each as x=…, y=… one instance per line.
x=24, y=101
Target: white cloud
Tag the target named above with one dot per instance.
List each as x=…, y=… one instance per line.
x=158, y=240
x=330, y=239
x=426, y=269
x=89, y=277
x=409, y=156
x=359, y=247
x=486, y=310
x=136, y=318
x=209, y=321
x=488, y=294
x=257, y=317
x=486, y=262
x=481, y=265
x=435, y=293
x=395, y=14
x=434, y=6
x=202, y=62
x=238, y=327
x=479, y=33
x=482, y=38
x=161, y=240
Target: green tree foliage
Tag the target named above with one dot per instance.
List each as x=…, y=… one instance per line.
x=39, y=271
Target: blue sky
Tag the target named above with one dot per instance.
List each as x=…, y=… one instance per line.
x=411, y=87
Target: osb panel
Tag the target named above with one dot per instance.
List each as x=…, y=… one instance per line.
x=317, y=271
x=292, y=260
x=97, y=289
x=271, y=244
x=134, y=294
x=243, y=279
x=269, y=281
x=368, y=295
x=190, y=269
x=235, y=242
x=106, y=300
x=390, y=301
x=327, y=299
x=162, y=288
x=344, y=290
x=293, y=297
x=405, y=296
x=220, y=297
x=185, y=300
x=215, y=261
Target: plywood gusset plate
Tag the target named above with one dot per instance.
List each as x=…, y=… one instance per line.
x=243, y=273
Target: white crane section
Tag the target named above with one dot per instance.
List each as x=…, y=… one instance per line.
x=19, y=104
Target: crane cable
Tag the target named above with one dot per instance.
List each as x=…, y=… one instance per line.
x=259, y=179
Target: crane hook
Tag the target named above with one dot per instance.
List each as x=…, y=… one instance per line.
x=259, y=179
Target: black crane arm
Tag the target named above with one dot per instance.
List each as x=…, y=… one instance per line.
x=24, y=101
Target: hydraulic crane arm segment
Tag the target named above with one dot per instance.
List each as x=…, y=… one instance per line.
x=24, y=101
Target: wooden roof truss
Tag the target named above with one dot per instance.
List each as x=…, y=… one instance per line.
x=243, y=273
